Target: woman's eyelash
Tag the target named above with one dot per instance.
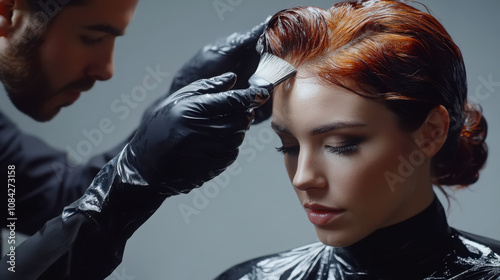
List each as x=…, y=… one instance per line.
x=349, y=148
x=288, y=150
x=343, y=150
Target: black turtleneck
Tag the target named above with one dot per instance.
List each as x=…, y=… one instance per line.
x=422, y=247
x=419, y=242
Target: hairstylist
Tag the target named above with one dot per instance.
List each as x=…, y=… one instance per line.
x=46, y=61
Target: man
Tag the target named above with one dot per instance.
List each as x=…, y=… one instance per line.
x=42, y=71
x=51, y=51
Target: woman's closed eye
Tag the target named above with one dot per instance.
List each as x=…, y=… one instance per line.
x=347, y=148
x=342, y=150
x=292, y=150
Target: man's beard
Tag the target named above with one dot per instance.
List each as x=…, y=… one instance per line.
x=21, y=74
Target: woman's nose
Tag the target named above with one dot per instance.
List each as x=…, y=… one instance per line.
x=309, y=173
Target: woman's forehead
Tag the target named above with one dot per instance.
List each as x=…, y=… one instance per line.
x=305, y=101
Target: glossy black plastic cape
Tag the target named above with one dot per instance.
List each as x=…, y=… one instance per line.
x=422, y=247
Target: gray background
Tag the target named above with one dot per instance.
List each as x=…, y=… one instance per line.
x=253, y=210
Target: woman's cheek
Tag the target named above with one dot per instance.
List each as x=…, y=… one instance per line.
x=369, y=168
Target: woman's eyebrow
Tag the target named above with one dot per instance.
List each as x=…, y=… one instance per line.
x=321, y=129
x=335, y=126
x=279, y=128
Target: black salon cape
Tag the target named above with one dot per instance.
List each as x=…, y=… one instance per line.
x=45, y=182
x=422, y=247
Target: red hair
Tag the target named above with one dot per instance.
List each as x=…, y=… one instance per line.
x=391, y=52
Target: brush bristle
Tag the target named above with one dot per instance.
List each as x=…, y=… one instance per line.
x=271, y=71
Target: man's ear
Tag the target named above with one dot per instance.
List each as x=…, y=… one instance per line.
x=6, y=14
x=432, y=134
x=15, y=15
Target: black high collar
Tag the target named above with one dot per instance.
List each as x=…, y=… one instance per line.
x=420, y=242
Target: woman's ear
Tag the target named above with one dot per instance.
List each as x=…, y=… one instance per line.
x=432, y=134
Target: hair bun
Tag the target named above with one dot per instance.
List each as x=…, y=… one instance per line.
x=465, y=163
x=474, y=129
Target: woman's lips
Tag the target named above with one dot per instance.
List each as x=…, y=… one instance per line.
x=321, y=215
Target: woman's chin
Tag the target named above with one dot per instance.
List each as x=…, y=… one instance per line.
x=335, y=239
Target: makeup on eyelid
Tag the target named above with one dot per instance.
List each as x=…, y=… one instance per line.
x=342, y=148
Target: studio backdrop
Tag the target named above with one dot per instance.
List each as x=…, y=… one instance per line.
x=251, y=209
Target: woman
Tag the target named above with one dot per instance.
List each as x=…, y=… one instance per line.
x=374, y=118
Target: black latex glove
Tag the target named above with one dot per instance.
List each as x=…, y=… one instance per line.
x=190, y=138
x=236, y=53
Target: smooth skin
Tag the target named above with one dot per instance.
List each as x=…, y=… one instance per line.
x=338, y=149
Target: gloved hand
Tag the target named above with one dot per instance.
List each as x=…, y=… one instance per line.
x=236, y=53
x=190, y=138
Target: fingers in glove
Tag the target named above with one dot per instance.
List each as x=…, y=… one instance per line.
x=219, y=125
x=238, y=41
x=216, y=145
x=219, y=83
x=232, y=101
x=264, y=112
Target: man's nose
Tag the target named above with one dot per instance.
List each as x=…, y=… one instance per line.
x=102, y=67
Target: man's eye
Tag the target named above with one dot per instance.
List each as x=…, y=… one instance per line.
x=90, y=41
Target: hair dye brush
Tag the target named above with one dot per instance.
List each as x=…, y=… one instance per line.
x=271, y=71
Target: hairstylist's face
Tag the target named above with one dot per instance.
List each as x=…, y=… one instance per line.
x=71, y=55
x=342, y=153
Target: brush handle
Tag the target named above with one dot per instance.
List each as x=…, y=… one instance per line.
x=264, y=111
x=256, y=81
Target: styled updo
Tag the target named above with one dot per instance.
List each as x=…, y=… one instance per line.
x=395, y=54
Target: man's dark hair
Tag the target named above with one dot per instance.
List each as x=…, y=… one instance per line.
x=50, y=8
